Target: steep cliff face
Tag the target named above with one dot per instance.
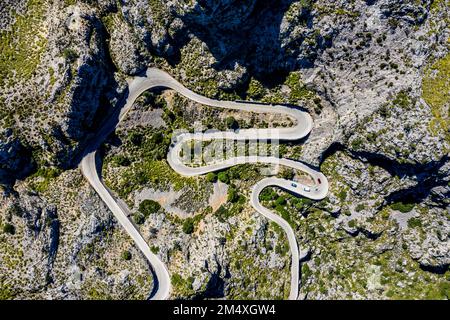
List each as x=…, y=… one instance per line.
x=14, y=157
x=56, y=76
x=261, y=36
x=373, y=74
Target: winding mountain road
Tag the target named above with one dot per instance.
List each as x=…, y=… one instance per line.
x=156, y=78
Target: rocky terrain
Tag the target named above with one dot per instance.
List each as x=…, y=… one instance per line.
x=374, y=75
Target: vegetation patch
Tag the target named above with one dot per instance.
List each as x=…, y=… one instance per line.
x=126, y=255
x=402, y=207
x=147, y=207
x=264, y=283
x=414, y=223
x=42, y=179
x=298, y=89
x=181, y=286
x=22, y=46
x=435, y=91
x=9, y=228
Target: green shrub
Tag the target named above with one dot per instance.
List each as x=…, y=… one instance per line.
x=357, y=144
x=121, y=160
x=231, y=123
x=176, y=280
x=211, y=177
x=268, y=194
x=147, y=207
x=9, y=228
x=157, y=138
x=139, y=218
x=306, y=271
x=284, y=213
x=188, y=226
x=444, y=290
x=126, y=255
x=281, y=201
x=352, y=223
x=342, y=195
x=402, y=207
x=154, y=249
x=48, y=173
x=414, y=222
x=223, y=177
x=287, y=174
x=298, y=89
x=233, y=195
x=135, y=138
x=255, y=89
x=346, y=212
x=402, y=100
x=70, y=54
x=222, y=214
